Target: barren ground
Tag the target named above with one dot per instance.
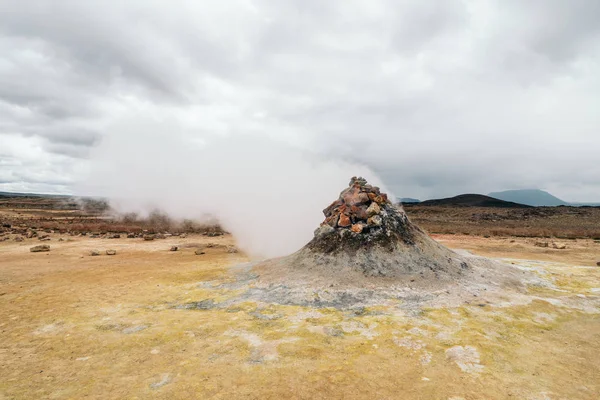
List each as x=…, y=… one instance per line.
x=76, y=326
x=151, y=323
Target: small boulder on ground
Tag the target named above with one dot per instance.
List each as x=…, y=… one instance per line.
x=111, y=252
x=19, y=239
x=199, y=252
x=174, y=248
x=598, y=263
x=40, y=248
x=541, y=244
x=94, y=253
x=148, y=237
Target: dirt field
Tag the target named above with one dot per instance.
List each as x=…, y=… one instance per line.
x=153, y=323
x=543, y=222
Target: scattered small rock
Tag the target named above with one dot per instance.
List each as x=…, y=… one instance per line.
x=166, y=378
x=134, y=329
x=94, y=253
x=232, y=249
x=111, y=252
x=598, y=263
x=559, y=246
x=199, y=252
x=541, y=244
x=19, y=239
x=174, y=248
x=148, y=237
x=115, y=236
x=40, y=248
x=130, y=235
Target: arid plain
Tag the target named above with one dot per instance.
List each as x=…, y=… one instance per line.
x=149, y=322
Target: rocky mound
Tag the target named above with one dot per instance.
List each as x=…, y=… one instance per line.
x=364, y=233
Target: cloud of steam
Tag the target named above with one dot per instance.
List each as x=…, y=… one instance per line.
x=269, y=195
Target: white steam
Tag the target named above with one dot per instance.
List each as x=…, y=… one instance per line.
x=268, y=195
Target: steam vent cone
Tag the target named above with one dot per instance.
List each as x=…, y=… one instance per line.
x=364, y=233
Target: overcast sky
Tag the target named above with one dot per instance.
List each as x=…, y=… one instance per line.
x=438, y=97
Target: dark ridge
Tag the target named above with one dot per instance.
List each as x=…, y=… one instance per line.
x=472, y=200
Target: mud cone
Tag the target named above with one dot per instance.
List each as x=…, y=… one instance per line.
x=363, y=231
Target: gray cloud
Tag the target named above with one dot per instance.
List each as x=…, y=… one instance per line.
x=440, y=98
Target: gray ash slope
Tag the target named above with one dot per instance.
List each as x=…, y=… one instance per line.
x=365, y=235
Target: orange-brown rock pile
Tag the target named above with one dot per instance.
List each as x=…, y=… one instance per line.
x=358, y=207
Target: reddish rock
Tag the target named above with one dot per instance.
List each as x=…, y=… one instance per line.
x=331, y=220
x=372, y=196
x=344, y=221
x=357, y=228
x=359, y=212
x=332, y=207
x=355, y=197
x=379, y=200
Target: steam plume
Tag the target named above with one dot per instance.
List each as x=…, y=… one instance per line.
x=267, y=194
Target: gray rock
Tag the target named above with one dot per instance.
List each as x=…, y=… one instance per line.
x=373, y=209
x=375, y=220
x=324, y=230
x=40, y=248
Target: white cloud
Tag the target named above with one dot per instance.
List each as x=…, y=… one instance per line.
x=468, y=96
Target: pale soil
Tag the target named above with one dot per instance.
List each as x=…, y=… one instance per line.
x=74, y=326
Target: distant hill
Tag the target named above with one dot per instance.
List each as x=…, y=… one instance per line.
x=405, y=200
x=531, y=197
x=472, y=200
x=14, y=194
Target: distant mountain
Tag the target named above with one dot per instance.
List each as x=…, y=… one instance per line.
x=405, y=200
x=472, y=200
x=531, y=197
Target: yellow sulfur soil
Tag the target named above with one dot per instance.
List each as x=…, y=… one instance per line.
x=74, y=326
